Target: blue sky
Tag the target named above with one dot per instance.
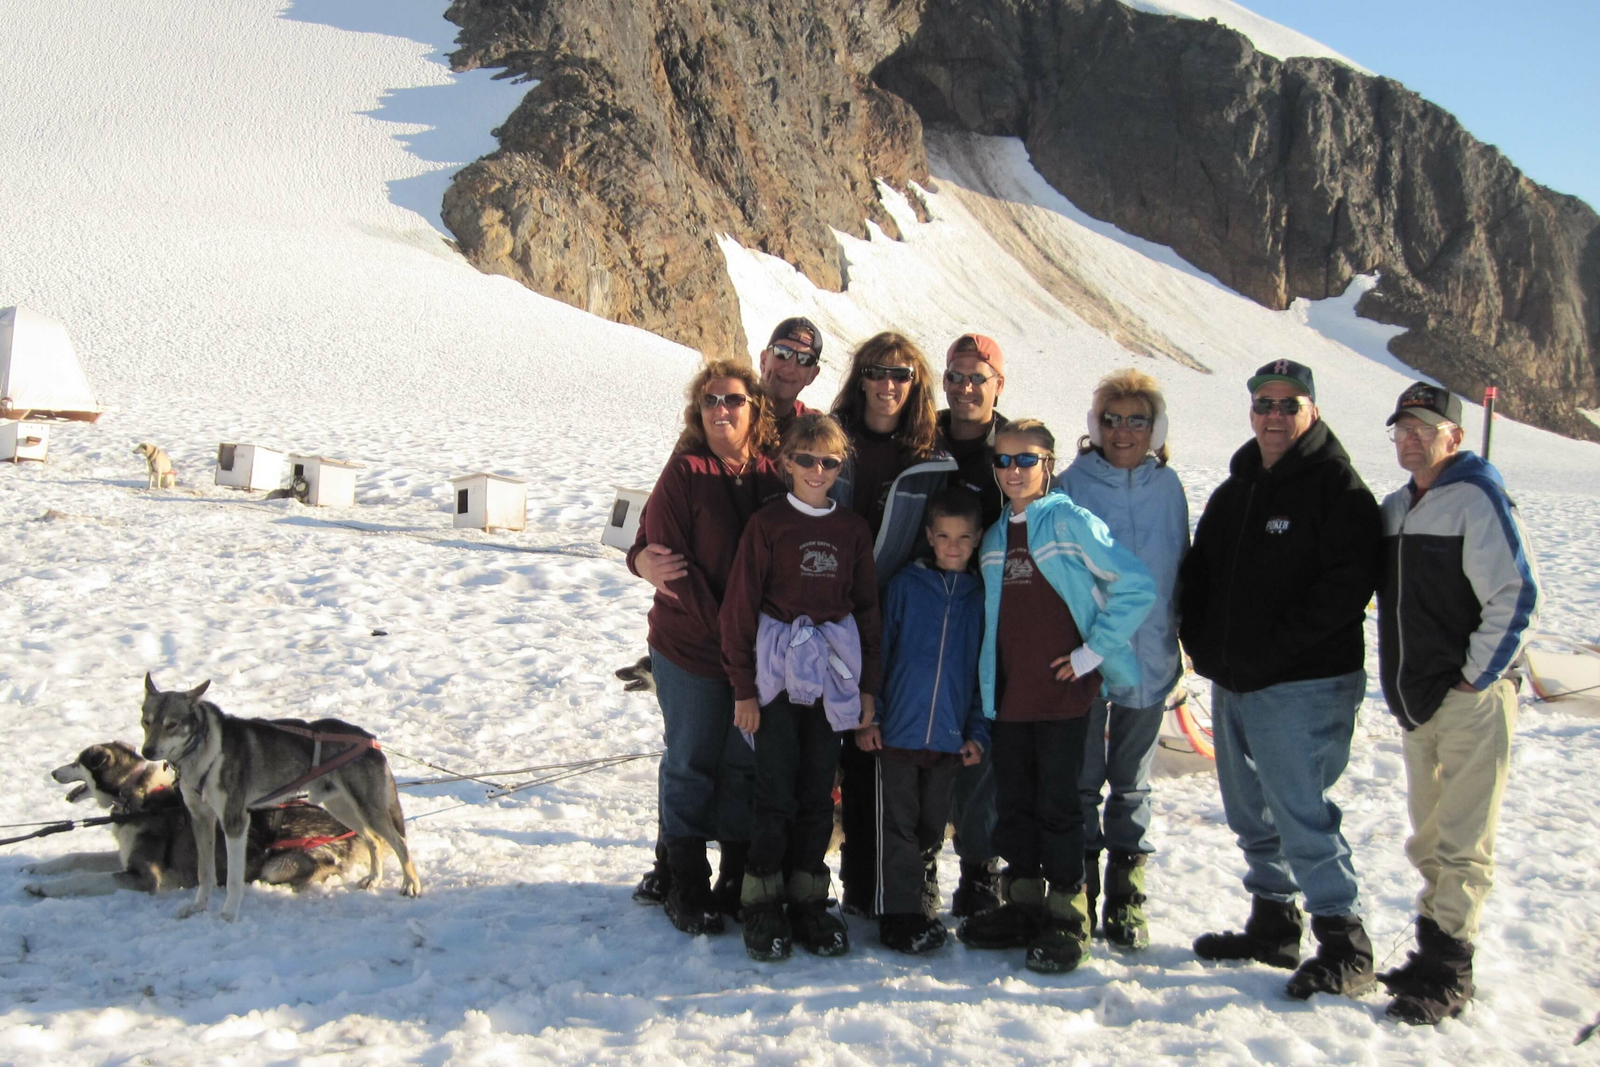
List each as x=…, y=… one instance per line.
x=1525, y=78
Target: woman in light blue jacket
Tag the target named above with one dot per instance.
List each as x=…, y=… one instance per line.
x=1121, y=475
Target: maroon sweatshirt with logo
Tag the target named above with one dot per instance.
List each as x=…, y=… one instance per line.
x=792, y=564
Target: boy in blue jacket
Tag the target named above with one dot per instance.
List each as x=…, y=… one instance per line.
x=930, y=720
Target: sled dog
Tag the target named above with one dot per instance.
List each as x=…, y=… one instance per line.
x=226, y=764
x=155, y=847
x=158, y=464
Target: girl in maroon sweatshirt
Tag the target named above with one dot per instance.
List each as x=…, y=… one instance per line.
x=800, y=637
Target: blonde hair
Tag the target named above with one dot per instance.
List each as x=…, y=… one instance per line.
x=815, y=432
x=918, y=432
x=763, y=432
x=1130, y=383
x=1036, y=433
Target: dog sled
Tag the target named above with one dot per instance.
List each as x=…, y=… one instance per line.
x=1565, y=674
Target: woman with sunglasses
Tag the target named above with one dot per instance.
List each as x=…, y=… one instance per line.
x=800, y=634
x=1062, y=602
x=718, y=477
x=886, y=406
x=1121, y=475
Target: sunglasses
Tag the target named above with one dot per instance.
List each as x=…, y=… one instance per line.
x=1111, y=420
x=807, y=460
x=1425, y=434
x=1263, y=406
x=954, y=379
x=805, y=359
x=1021, y=459
x=874, y=372
x=731, y=401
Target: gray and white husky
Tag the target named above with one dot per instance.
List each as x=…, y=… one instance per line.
x=155, y=845
x=226, y=764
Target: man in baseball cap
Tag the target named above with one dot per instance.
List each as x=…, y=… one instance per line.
x=1432, y=404
x=789, y=363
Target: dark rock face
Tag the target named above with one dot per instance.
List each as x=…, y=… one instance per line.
x=655, y=127
x=1284, y=179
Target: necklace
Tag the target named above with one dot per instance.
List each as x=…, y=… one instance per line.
x=737, y=472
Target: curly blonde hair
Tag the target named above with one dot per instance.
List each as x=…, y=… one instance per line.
x=763, y=433
x=1130, y=383
x=918, y=433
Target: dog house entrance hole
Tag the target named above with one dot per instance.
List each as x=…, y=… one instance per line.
x=225, y=457
x=461, y=501
x=299, y=470
x=619, y=514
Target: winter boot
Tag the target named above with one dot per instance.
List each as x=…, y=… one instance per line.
x=652, y=888
x=1063, y=942
x=1013, y=924
x=1125, y=924
x=911, y=933
x=978, y=891
x=1091, y=885
x=689, y=904
x=767, y=936
x=730, y=878
x=930, y=885
x=1343, y=963
x=819, y=930
x=1436, y=981
x=1271, y=936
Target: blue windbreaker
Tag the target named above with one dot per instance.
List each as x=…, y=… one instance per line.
x=932, y=631
x=1146, y=511
x=1105, y=587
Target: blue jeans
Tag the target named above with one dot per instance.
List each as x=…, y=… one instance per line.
x=1120, y=761
x=1279, y=751
x=708, y=772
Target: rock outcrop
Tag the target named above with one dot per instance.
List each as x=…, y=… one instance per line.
x=657, y=126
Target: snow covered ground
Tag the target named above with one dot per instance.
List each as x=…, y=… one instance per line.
x=209, y=196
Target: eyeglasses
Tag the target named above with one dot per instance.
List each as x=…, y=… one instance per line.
x=1021, y=459
x=1111, y=420
x=954, y=379
x=874, y=372
x=1421, y=432
x=804, y=359
x=807, y=460
x=1263, y=406
x=731, y=401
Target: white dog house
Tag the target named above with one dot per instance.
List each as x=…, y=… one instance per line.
x=330, y=483
x=24, y=440
x=623, y=525
x=490, y=502
x=249, y=466
x=40, y=377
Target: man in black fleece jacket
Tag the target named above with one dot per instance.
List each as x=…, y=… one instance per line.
x=1272, y=597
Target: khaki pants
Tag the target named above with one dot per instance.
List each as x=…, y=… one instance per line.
x=1457, y=763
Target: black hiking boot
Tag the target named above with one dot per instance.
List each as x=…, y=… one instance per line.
x=1435, y=982
x=1013, y=924
x=1091, y=885
x=730, y=878
x=1125, y=924
x=767, y=936
x=930, y=885
x=977, y=891
x=652, y=888
x=1063, y=942
x=1271, y=936
x=689, y=904
x=818, y=930
x=911, y=933
x=1343, y=963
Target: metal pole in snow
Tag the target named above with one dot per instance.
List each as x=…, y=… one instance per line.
x=1490, y=392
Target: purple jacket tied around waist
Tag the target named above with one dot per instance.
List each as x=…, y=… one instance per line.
x=813, y=663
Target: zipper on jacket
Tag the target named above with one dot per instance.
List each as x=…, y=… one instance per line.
x=1399, y=628
x=1233, y=573
x=938, y=670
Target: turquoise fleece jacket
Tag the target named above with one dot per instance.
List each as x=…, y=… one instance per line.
x=1105, y=587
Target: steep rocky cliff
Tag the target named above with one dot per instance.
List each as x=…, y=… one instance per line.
x=657, y=126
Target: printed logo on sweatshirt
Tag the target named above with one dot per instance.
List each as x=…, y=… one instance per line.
x=1019, y=567
x=819, y=559
x=1278, y=524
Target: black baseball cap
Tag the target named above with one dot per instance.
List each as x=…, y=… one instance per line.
x=798, y=331
x=1432, y=404
x=1285, y=370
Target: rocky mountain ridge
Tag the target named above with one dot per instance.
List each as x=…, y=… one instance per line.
x=656, y=127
